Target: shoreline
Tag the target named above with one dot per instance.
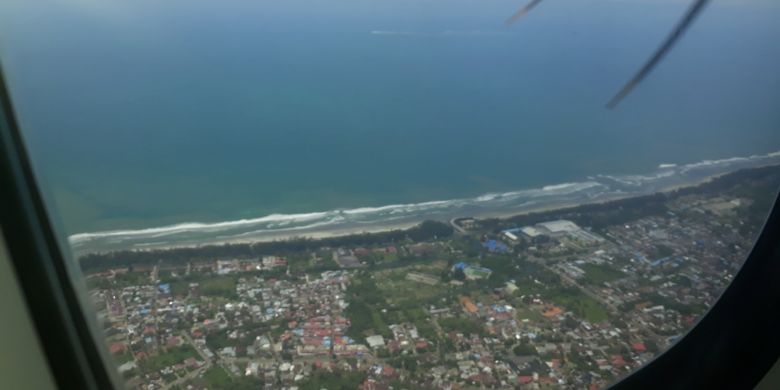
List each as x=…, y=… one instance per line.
x=282, y=236
x=592, y=190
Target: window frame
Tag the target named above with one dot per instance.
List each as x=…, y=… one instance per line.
x=76, y=356
x=732, y=346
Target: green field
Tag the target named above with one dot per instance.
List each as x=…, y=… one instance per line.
x=170, y=357
x=580, y=304
x=396, y=289
x=224, y=286
x=333, y=381
x=524, y=312
x=600, y=273
x=461, y=325
x=216, y=377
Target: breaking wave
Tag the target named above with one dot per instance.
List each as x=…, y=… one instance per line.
x=596, y=188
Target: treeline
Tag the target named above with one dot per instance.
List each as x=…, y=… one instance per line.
x=99, y=261
x=756, y=183
x=595, y=215
x=762, y=175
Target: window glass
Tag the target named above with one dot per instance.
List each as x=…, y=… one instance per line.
x=407, y=193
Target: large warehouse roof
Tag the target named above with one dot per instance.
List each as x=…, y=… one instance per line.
x=560, y=226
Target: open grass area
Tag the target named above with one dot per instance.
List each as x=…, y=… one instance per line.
x=364, y=310
x=461, y=325
x=600, y=273
x=180, y=287
x=123, y=358
x=579, y=303
x=333, y=381
x=170, y=357
x=525, y=312
x=121, y=280
x=218, y=286
x=216, y=377
x=396, y=289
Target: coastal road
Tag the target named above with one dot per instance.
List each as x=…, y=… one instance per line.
x=457, y=227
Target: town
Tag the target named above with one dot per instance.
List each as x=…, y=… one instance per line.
x=571, y=299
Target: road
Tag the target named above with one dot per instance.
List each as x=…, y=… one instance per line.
x=457, y=227
x=194, y=373
x=586, y=290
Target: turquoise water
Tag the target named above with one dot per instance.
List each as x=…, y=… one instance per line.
x=141, y=114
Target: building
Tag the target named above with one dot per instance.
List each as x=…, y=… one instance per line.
x=531, y=231
x=375, y=341
x=473, y=272
x=495, y=246
x=510, y=235
x=468, y=304
x=422, y=278
x=559, y=227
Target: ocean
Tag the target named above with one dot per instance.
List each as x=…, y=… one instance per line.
x=219, y=119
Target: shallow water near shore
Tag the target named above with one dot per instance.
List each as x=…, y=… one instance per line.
x=276, y=119
x=372, y=219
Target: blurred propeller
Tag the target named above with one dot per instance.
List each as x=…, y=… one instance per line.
x=522, y=11
x=690, y=15
x=659, y=54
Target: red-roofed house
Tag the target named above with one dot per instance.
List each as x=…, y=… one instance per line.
x=639, y=347
x=173, y=342
x=191, y=363
x=117, y=348
x=388, y=370
x=618, y=361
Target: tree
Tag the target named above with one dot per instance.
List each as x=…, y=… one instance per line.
x=524, y=349
x=458, y=274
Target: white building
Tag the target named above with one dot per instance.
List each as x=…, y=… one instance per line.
x=559, y=226
x=375, y=341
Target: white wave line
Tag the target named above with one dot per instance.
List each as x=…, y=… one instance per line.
x=283, y=221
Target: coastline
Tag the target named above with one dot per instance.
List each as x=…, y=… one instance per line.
x=380, y=228
x=336, y=223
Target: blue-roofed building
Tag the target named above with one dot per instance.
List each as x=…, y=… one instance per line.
x=473, y=272
x=495, y=246
x=164, y=288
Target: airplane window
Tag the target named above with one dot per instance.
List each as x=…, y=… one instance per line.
x=398, y=194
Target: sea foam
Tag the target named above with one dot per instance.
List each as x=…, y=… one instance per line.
x=598, y=187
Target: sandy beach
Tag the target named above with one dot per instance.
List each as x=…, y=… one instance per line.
x=328, y=232
x=342, y=222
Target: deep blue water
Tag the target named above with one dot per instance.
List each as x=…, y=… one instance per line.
x=147, y=113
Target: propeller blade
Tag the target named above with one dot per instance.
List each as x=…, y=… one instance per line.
x=659, y=54
x=522, y=11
